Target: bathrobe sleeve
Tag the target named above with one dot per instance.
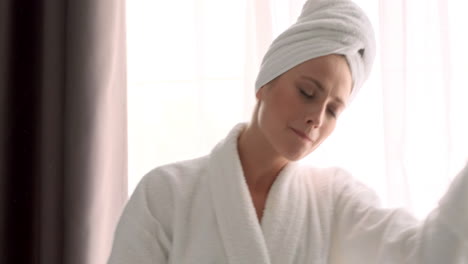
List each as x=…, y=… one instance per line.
x=364, y=233
x=139, y=236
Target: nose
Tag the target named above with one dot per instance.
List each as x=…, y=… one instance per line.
x=315, y=116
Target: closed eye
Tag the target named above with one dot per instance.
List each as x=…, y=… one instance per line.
x=332, y=112
x=306, y=94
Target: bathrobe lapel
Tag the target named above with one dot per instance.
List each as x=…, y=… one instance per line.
x=283, y=221
x=244, y=239
x=237, y=221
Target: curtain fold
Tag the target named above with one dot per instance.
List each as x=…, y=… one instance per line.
x=63, y=150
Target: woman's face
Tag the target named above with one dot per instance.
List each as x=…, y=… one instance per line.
x=298, y=110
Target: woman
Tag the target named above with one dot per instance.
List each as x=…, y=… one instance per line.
x=248, y=201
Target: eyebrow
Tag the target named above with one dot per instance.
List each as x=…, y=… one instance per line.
x=320, y=86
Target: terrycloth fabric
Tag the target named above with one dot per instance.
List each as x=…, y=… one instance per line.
x=200, y=211
x=324, y=27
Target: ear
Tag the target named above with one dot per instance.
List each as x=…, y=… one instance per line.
x=261, y=92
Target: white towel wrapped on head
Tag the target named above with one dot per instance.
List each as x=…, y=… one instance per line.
x=324, y=27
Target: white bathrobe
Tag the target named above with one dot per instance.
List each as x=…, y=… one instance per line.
x=200, y=212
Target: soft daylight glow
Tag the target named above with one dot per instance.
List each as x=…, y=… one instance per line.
x=185, y=69
x=191, y=66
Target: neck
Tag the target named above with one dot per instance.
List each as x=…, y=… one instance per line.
x=260, y=161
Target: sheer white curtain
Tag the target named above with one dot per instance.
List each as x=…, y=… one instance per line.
x=424, y=64
x=186, y=64
x=192, y=65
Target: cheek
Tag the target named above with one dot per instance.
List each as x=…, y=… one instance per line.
x=267, y=117
x=279, y=108
x=287, y=105
x=327, y=130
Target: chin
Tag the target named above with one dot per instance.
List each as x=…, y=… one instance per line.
x=297, y=154
x=291, y=150
x=293, y=155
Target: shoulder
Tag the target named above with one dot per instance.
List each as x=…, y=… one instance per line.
x=176, y=173
x=161, y=189
x=170, y=181
x=337, y=182
x=327, y=177
x=348, y=186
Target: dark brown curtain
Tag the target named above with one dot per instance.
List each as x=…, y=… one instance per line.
x=63, y=122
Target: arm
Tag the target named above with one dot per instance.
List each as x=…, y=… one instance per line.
x=139, y=236
x=365, y=233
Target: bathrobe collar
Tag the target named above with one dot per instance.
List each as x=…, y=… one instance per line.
x=244, y=239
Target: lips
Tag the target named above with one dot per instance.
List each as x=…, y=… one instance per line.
x=301, y=134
